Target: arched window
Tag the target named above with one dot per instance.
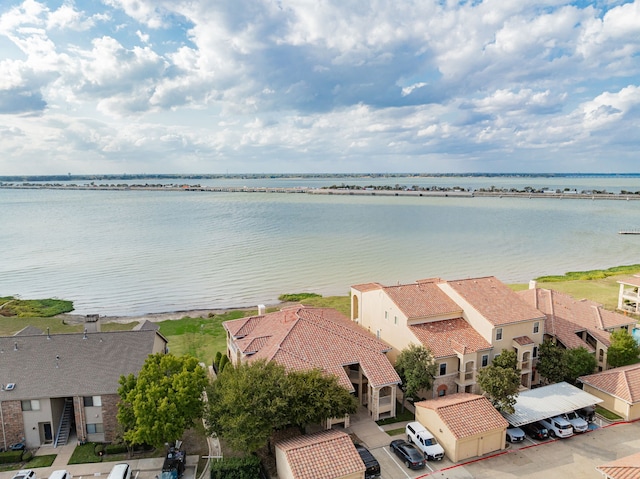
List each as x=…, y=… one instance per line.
x=442, y=390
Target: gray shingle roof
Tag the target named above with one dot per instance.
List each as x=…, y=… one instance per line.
x=69, y=364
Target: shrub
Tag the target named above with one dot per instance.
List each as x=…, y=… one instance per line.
x=236, y=468
x=224, y=360
x=99, y=450
x=9, y=457
x=115, y=448
x=27, y=456
x=216, y=361
x=297, y=297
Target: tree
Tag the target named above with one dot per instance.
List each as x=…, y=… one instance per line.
x=551, y=362
x=623, y=350
x=163, y=401
x=579, y=362
x=246, y=404
x=417, y=368
x=501, y=381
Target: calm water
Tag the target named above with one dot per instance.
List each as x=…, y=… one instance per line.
x=136, y=252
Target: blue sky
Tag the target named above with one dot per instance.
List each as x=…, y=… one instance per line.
x=316, y=86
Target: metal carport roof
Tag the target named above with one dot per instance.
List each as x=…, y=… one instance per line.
x=548, y=401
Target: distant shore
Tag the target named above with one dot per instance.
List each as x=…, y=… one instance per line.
x=360, y=191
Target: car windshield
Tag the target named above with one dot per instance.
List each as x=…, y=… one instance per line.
x=564, y=426
x=572, y=415
x=430, y=442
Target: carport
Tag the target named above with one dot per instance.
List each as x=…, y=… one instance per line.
x=548, y=401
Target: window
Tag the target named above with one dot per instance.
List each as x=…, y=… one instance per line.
x=31, y=405
x=442, y=390
x=97, y=428
x=485, y=360
x=498, y=334
x=443, y=369
x=535, y=352
x=536, y=327
x=386, y=315
x=395, y=320
x=92, y=401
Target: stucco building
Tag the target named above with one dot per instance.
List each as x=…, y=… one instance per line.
x=466, y=323
x=619, y=389
x=303, y=338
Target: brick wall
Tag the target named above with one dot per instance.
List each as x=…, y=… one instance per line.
x=13, y=422
x=80, y=417
x=109, y=416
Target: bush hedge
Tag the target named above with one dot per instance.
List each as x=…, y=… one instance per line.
x=9, y=457
x=236, y=468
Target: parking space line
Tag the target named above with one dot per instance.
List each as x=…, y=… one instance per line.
x=396, y=463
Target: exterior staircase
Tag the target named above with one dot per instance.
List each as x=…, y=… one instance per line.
x=65, y=424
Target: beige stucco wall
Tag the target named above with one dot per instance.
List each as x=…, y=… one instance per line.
x=458, y=450
x=32, y=419
x=614, y=404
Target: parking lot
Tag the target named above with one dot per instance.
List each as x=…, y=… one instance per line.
x=576, y=456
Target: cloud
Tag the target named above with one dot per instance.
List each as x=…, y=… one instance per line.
x=321, y=86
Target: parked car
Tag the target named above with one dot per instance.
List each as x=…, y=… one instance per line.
x=536, y=430
x=408, y=453
x=587, y=413
x=420, y=436
x=25, y=474
x=60, y=474
x=371, y=463
x=558, y=427
x=579, y=424
x=515, y=434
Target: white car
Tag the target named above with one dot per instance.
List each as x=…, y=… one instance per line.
x=25, y=474
x=558, y=426
x=420, y=436
x=578, y=423
x=515, y=434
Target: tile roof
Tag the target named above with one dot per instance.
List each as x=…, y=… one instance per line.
x=449, y=336
x=523, y=340
x=494, y=300
x=624, y=468
x=85, y=367
x=305, y=338
x=622, y=382
x=422, y=300
x=323, y=455
x=456, y=409
x=565, y=316
x=367, y=287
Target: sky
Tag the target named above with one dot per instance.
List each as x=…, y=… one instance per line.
x=319, y=86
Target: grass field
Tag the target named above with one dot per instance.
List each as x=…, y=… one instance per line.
x=203, y=337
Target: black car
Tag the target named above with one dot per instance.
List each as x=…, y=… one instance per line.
x=411, y=456
x=370, y=462
x=536, y=430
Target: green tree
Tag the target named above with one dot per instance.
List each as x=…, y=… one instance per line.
x=551, y=362
x=417, y=368
x=246, y=404
x=163, y=401
x=623, y=350
x=579, y=362
x=501, y=381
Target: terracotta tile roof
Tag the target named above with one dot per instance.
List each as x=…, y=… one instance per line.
x=632, y=280
x=323, y=455
x=448, y=336
x=367, y=287
x=623, y=382
x=456, y=409
x=422, y=300
x=565, y=316
x=624, y=468
x=523, y=340
x=494, y=300
x=304, y=338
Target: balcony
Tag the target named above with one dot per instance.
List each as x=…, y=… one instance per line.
x=466, y=378
x=385, y=404
x=525, y=366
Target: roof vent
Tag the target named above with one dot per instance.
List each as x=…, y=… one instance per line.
x=15, y=346
x=84, y=336
x=10, y=387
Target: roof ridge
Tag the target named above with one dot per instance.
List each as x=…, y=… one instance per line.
x=600, y=324
x=626, y=383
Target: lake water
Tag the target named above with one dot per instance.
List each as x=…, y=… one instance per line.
x=137, y=252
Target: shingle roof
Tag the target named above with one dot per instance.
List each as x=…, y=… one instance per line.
x=622, y=382
x=85, y=367
x=624, y=468
x=449, y=336
x=422, y=300
x=323, y=455
x=494, y=300
x=565, y=316
x=456, y=409
x=305, y=338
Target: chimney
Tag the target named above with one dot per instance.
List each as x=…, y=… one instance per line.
x=261, y=309
x=533, y=284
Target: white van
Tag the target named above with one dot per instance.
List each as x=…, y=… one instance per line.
x=60, y=474
x=558, y=426
x=424, y=440
x=120, y=471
